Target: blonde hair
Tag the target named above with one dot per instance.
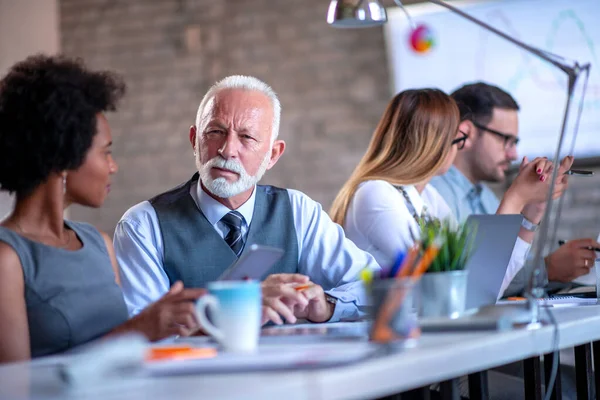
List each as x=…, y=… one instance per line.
x=409, y=145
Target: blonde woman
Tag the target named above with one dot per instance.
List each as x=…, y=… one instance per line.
x=388, y=192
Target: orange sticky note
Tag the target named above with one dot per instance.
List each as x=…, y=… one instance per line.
x=179, y=353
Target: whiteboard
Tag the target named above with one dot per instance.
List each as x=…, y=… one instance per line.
x=462, y=52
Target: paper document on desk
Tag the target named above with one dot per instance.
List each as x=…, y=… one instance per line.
x=268, y=357
x=315, y=333
x=557, y=301
x=567, y=301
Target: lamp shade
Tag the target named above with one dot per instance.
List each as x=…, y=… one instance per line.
x=356, y=13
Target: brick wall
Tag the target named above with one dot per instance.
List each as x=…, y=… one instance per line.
x=333, y=85
x=43, y=15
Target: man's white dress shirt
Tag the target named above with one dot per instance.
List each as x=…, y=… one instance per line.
x=324, y=253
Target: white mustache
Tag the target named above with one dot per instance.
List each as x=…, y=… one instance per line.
x=231, y=165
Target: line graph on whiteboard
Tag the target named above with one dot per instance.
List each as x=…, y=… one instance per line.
x=530, y=68
x=465, y=53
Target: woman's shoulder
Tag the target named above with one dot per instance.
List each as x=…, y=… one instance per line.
x=374, y=192
x=376, y=195
x=11, y=267
x=8, y=254
x=375, y=186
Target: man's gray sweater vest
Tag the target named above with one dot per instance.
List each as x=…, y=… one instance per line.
x=196, y=254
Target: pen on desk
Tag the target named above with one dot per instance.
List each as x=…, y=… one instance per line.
x=561, y=242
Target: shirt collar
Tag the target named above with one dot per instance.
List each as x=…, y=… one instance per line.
x=214, y=211
x=462, y=184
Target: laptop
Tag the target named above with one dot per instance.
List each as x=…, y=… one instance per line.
x=493, y=246
x=495, y=238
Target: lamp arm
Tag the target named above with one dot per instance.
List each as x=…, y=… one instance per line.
x=413, y=26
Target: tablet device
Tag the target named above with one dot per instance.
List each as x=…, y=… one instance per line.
x=254, y=263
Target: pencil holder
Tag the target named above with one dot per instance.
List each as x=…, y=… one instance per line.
x=393, y=312
x=442, y=294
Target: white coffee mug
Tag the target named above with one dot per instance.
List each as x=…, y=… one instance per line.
x=235, y=309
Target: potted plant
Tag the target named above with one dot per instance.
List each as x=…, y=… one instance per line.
x=443, y=287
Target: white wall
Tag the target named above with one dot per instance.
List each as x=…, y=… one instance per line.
x=26, y=27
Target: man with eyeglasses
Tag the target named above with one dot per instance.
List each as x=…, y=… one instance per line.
x=489, y=118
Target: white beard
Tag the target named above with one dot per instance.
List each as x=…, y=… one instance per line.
x=220, y=187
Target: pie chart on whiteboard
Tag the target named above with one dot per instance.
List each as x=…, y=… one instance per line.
x=421, y=39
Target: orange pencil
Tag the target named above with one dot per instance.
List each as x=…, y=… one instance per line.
x=303, y=286
x=430, y=254
x=406, y=267
x=381, y=331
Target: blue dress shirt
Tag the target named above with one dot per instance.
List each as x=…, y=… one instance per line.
x=324, y=253
x=464, y=197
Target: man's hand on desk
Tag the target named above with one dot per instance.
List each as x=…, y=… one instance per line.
x=293, y=296
x=318, y=308
x=571, y=260
x=279, y=297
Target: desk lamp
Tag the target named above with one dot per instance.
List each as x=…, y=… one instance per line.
x=369, y=13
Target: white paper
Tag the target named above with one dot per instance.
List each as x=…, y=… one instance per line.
x=268, y=357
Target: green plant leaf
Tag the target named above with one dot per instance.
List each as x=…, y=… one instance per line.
x=457, y=244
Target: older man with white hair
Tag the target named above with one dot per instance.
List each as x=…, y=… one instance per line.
x=195, y=231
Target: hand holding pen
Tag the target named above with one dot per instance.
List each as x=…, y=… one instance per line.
x=579, y=172
x=588, y=244
x=572, y=259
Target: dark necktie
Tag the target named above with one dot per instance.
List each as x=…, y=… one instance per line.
x=234, y=220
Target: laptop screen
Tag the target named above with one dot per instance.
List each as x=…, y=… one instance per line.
x=495, y=237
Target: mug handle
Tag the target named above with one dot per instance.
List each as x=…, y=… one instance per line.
x=208, y=302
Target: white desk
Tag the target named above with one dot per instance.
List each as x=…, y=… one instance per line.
x=438, y=357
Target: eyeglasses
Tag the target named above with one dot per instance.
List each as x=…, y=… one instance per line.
x=460, y=142
x=510, y=141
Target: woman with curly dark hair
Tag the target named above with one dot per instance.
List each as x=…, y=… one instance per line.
x=57, y=287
